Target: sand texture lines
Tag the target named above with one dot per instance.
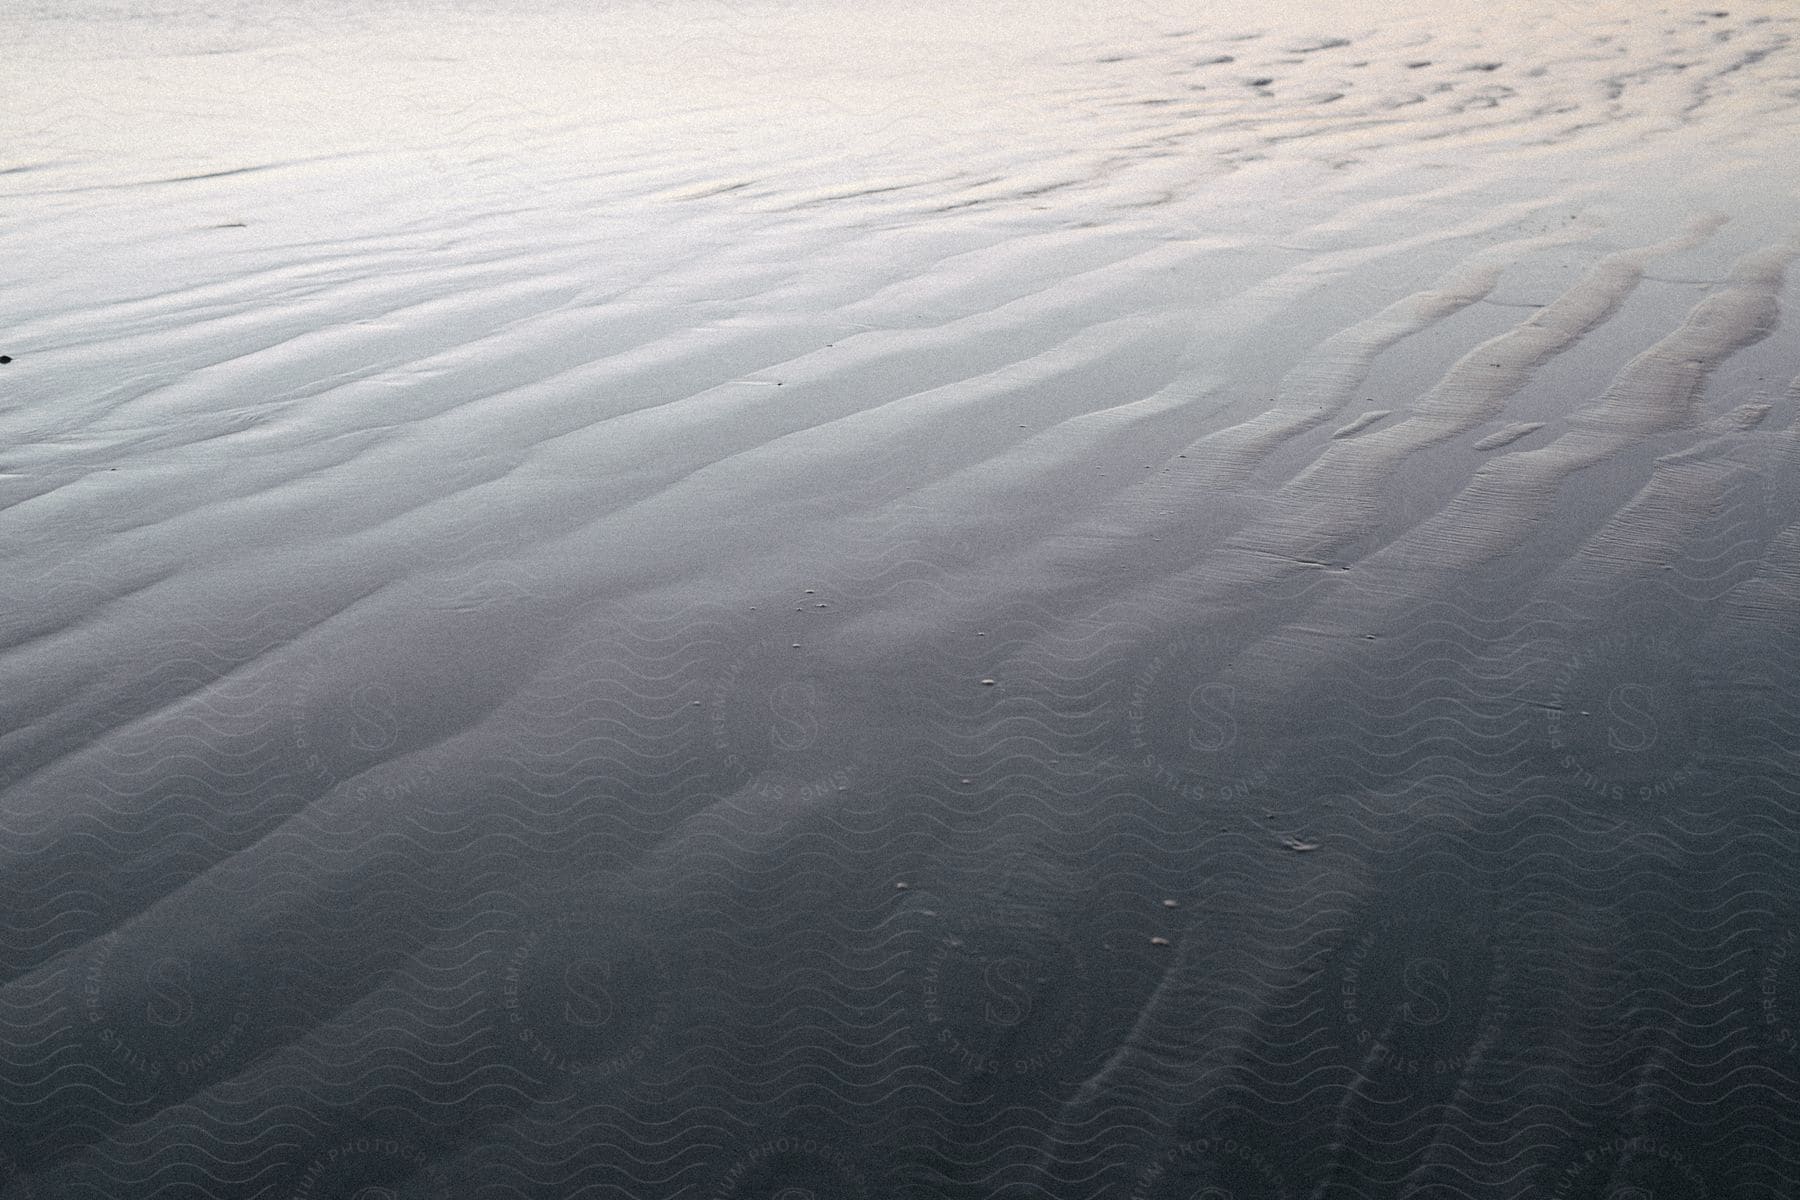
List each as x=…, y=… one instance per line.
x=773, y=600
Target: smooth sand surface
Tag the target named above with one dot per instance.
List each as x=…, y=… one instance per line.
x=777, y=600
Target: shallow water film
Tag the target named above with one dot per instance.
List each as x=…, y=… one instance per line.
x=776, y=600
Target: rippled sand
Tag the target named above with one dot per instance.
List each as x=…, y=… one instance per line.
x=771, y=601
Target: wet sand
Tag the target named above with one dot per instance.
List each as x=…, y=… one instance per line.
x=757, y=601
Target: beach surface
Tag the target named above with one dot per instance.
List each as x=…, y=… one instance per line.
x=769, y=600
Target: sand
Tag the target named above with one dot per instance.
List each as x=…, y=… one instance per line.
x=777, y=600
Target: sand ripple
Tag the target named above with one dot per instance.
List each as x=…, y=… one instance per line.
x=745, y=601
